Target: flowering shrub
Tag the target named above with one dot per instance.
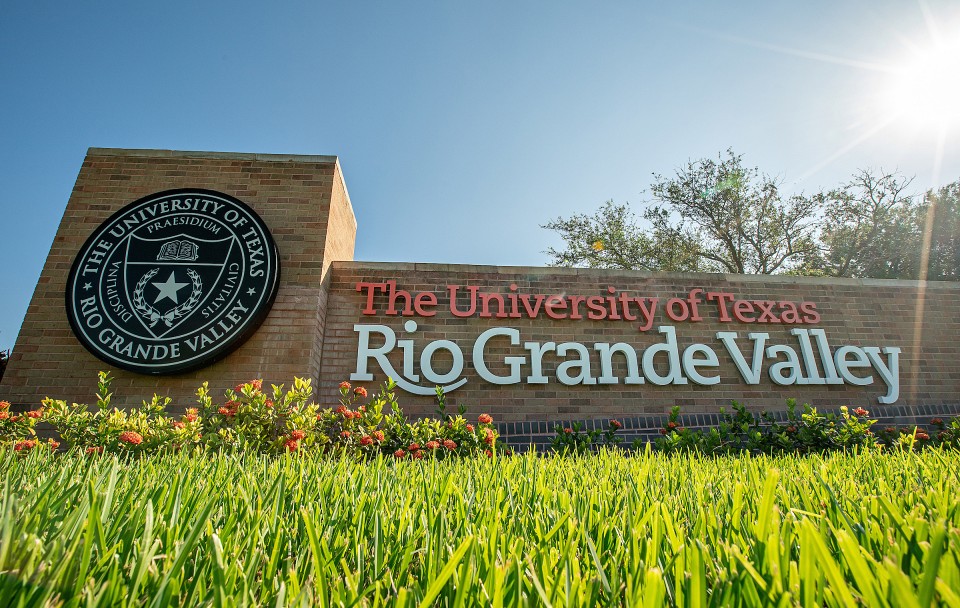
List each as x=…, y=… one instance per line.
x=252, y=419
x=805, y=432
x=575, y=440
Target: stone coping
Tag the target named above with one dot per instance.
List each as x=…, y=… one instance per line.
x=302, y=158
x=540, y=271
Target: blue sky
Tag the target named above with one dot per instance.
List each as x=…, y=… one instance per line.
x=461, y=127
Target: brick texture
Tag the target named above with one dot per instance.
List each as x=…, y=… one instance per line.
x=310, y=329
x=303, y=201
x=856, y=312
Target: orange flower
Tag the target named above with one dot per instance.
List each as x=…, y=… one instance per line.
x=432, y=445
x=378, y=435
x=488, y=453
x=450, y=444
x=366, y=440
x=568, y=430
x=469, y=428
x=414, y=447
x=615, y=424
x=672, y=425
x=489, y=437
x=921, y=436
x=268, y=403
x=345, y=434
x=362, y=392
x=95, y=450
x=417, y=455
x=485, y=418
x=344, y=386
x=22, y=446
x=936, y=421
x=257, y=384
x=4, y=405
x=291, y=445
x=399, y=453
x=297, y=435
x=791, y=429
x=223, y=411
x=191, y=417
x=131, y=437
x=178, y=425
x=35, y=414
x=4, y=415
x=54, y=444
x=861, y=412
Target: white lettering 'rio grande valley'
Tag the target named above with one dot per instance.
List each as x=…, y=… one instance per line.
x=809, y=361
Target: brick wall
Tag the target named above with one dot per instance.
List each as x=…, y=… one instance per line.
x=856, y=312
x=303, y=201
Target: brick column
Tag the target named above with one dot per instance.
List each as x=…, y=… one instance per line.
x=302, y=199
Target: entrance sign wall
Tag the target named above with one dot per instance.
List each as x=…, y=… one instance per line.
x=173, y=282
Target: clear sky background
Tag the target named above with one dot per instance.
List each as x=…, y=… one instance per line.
x=461, y=127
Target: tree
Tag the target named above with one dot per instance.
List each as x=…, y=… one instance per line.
x=611, y=238
x=939, y=216
x=713, y=216
x=869, y=228
x=741, y=223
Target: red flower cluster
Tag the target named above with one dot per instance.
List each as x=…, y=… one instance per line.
x=469, y=428
x=297, y=435
x=861, y=412
x=791, y=429
x=672, y=425
x=400, y=453
x=378, y=435
x=179, y=425
x=489, y=436
x=615, y=424
x=921, y=436
x=414, y=447
x=366, y=440
x=345, y=434
x=485, y=419
x=23, y=446
x=344, y=386
x=417, y=455
x=432, y=445
x=95, y=450
x=191, y=414
x=4, y=405
x=360, y=391
x=291, y=445
x=35, y=414
x=4, y=415
x=450, y=444
x=131, y=437
x=936, y=421
x=568, y=430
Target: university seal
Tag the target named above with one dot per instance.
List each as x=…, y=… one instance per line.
x=173, y=282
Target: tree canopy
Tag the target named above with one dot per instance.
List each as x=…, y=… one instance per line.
x=716, y=215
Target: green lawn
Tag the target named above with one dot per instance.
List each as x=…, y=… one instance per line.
x=644, y=530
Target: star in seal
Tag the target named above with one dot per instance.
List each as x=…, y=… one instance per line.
x=169, y=289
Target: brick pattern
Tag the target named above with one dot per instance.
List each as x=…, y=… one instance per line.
x=857, y=312
x=302, y=200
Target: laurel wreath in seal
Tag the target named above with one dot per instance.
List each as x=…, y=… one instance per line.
x=155, y=316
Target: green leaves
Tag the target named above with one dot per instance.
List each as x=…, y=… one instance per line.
x=597, y=530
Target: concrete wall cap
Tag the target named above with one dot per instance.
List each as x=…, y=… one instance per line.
x=541, y=271
x=301, y=158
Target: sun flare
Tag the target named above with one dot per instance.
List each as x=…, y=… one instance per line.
x=926, y=90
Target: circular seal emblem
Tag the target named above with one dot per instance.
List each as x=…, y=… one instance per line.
x=173, y=282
